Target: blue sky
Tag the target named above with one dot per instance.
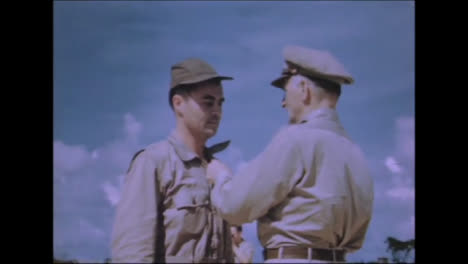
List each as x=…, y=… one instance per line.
x=111, y=79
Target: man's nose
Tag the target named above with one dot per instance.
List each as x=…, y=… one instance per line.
x=216, y=114
x=217, y=109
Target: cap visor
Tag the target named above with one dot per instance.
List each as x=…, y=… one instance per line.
x=202, y=78
x=225, y=78
x=280, y=82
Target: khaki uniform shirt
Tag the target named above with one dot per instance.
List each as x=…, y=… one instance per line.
x=311, y=187
x=165, y=213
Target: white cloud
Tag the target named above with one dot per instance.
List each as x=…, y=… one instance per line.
x=112, y=193
x=403, y=158
x=114, y=156
x=401, y=163
x=401, y=193
x=392, y=165
x=132, y=127
x=69, y=158
x=395, y=193
x=88, y=174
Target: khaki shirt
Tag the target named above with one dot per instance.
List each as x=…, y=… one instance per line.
x=243, y=253
x=311, y=187
x=165, y=213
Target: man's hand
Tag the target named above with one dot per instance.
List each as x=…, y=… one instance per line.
x=216, y=168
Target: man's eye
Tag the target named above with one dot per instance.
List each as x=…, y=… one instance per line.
x=209, y=104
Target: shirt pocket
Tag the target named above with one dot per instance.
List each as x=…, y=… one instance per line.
x=193, y=208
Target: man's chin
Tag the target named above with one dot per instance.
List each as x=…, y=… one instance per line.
x=292, y=121
x=210, y=132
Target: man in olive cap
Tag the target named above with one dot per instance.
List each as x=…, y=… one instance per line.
x=165, y=214
x=310, y=189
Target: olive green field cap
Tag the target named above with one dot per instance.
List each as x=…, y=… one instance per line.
x=193, y=70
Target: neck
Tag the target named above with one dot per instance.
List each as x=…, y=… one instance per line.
x=324, y=103
x=193, y=142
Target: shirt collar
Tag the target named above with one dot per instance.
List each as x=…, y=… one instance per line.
x=321, y=113
x=186, y=154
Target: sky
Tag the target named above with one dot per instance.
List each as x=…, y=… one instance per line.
x=111, y=79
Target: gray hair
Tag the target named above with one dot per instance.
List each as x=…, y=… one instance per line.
x=320, y=86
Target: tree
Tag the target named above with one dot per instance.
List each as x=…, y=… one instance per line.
x=400, y=249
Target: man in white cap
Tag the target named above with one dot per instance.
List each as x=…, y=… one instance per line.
x=164, y=214
x=310, y=189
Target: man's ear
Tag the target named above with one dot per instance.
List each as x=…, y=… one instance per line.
x=178, y=102
x=306, y=93
x=303, y=85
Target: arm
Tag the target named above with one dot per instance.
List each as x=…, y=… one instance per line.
x=134, y=231
x=261, y=184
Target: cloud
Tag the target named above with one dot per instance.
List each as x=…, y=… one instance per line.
x=392, y=165
x=394, y=193
x=401, y=193
x=85, y=201
x=70, y=158
x=401, y=162
x=132, y=127
x=112, y=192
